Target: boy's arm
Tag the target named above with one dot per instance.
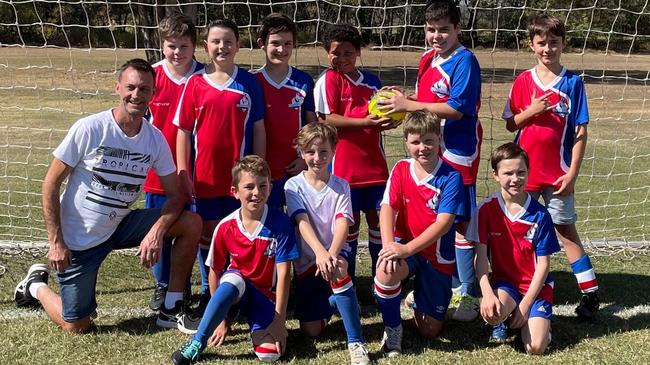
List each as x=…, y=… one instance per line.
x=369, y=121
x=401, y=103
x=490, y=305
x=324, y=261
x=442, y=225
x=537, y=106
x=277, y=329
x=259, y=139
x=537, y=282
x=341, y=226
x=567, y=182
x=386, y=228
x=182, y=159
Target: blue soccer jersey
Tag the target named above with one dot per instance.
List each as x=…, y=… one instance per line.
x=456, y=81
x=418, y=203
x=254, y=255
x=515, y=241
x=548, y=137
x=221, y=118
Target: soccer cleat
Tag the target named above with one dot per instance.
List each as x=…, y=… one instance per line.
x=499, y=333
x=179, y=318
x=37, y=273
x=188, y=353
x=588, y=307
x=467, y=310
x=358, y=354
x=158, y=297
x=391, y=342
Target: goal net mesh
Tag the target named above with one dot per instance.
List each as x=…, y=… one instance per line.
x=58, y=62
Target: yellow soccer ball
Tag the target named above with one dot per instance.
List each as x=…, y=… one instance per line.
x=373, y=108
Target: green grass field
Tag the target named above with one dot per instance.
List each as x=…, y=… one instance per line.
x=42, y=92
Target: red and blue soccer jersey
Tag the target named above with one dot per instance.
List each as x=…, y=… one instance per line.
x=515, y=241
x=221, y=118
x=359, y=156
x=457, y=82
x=418, y=203
x=254, y=255
x=548, y=137
x=287, y=104
x=162, y=109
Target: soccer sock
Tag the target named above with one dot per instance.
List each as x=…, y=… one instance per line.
x=33, y=289
x=161, y=268
x=353, y=242
x=465, y=266
x=374, y=246
x=348, y=307
x=202, y=255
x=388, y=299
x=171, y=298
x=585, y=274
x=224, y=297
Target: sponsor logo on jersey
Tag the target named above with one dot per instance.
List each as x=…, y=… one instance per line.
x=297, y=101
x=562, y=108
x=433, y=202
x=245, y=103
x=531, y=233
x=270, y=249
x=440, y=88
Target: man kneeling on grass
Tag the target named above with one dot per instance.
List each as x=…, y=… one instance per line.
x=106, y=157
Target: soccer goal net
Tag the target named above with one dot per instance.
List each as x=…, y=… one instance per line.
x=58, y=61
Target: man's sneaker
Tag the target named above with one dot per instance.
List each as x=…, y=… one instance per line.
x=588, y=306
x=467, y=310
x=358, y=354
x=499, y=333
x=188, y=353
x=178, y=317
x=158, y=297
x=391, y=342
x=37, y=273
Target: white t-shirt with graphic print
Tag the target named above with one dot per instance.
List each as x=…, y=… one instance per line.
x=109, y=169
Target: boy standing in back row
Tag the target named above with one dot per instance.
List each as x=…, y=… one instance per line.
x=178, y=36
x=449, y=85
x=289, y=102
x=548, y=108
x=341, y=95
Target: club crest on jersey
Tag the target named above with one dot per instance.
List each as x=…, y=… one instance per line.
x=270, y=249
x=245, y=103
x=433, y=202
x=440, y=88
x=531, y=233
x=562, y=108
x=297, y=101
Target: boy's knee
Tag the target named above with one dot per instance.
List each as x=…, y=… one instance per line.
x=236, y=280
x=427, y=326
x=536, y=348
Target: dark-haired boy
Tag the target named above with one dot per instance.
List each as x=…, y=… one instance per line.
x=342, y=94
x=178, y=35
x=289, y=101
x=449, y=85
x=548, y=109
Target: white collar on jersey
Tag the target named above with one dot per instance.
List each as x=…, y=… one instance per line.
x=240, y=224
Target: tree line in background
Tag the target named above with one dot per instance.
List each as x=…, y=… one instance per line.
x=609, y=24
